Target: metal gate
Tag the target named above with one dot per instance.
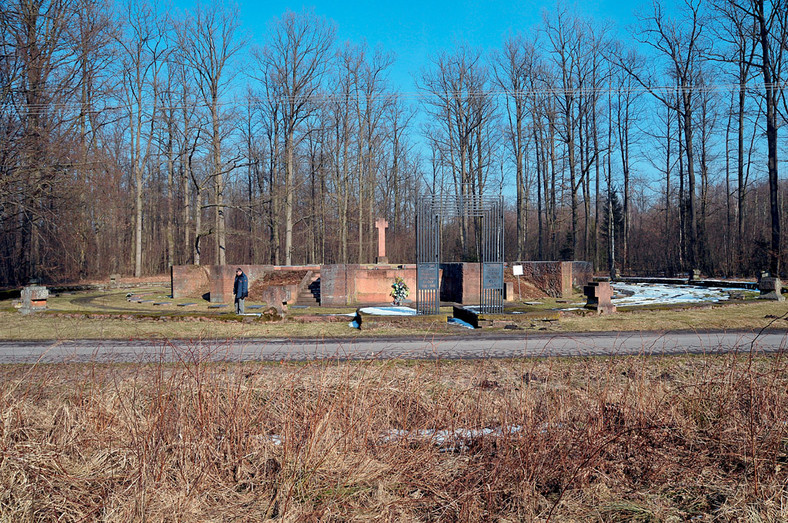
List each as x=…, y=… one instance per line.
x=430, y=212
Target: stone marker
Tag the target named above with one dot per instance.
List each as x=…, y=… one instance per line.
x=382, y=225
x=694, y=275
x=599, y=294
x=508, y=291
x=186, y=304
x=113, y=280
x=34, y=298
x=771, y=289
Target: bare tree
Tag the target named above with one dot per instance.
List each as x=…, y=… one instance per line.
x=295, y=60
x=572, y=52
x=209, y=41
x=458, y=98
x=515, y=67
x=144, y=47
x=682, y=44
x=370, y=108
x=771, y=32
x=625, y=107
x=737, y=30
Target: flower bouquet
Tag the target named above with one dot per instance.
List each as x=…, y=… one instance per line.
x=399, y=290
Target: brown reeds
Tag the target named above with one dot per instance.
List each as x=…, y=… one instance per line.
x=609, y=439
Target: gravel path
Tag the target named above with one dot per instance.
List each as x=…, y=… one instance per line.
x=585, y=344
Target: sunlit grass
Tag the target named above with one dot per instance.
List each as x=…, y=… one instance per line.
x=109, y=315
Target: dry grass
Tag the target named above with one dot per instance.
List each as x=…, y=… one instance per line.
x=607, y=439
x=110, y=316
x=751, y=315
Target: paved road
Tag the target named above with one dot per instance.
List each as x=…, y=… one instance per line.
x=586, y=344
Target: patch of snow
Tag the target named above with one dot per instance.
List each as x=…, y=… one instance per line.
x=451, y=440
x=389, y=311
x=666, y=294
x=461, y=323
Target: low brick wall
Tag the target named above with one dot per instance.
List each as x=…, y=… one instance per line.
x=343, y=285
x=194, y=280
x=276, y=295
x=554, y=278
x=355, y=285
x=189, y=280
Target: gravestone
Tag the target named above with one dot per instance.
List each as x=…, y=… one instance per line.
x=114, y=279
x=382, y=225
x=694, y=275
x=599, y=295
x=34, y=298
x=771, y=289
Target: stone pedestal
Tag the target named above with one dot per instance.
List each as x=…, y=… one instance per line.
x=34, y=298
x=599, y=295
x=771, y=289
x=382, y=260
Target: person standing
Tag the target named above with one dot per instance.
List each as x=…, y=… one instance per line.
x=240, y=289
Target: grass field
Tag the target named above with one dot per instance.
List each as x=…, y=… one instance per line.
x=603, y=439
x=109, y=315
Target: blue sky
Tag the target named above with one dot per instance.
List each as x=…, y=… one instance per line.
x=414, y=30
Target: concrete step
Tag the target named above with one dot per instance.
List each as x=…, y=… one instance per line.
x=310, y=295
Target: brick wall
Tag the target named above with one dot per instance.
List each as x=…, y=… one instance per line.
x=343, y=285
x=551, y=277
x=196, y=280
x=189, y=281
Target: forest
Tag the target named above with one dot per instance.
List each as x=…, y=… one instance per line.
x=134, y=137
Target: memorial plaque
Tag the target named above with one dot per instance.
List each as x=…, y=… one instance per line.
x=428, y=276
x=492, y=276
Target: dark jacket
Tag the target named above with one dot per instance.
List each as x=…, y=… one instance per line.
x=241, y=286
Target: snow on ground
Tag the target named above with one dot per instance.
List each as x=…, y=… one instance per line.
x=461, y=323
x=449, y=440
x=389, y=311
x=666, y=294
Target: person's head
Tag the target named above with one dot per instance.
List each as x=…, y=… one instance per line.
x=238, y=271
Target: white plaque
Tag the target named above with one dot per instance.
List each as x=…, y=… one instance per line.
x=517, y=270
